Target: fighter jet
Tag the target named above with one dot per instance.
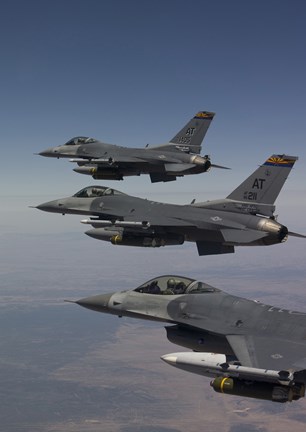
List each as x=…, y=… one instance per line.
x=244, y=218
x=163, y=163
x=249, y=348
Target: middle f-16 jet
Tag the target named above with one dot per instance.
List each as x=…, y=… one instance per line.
x=244, y=218
x=176, y=158
x=249, y=349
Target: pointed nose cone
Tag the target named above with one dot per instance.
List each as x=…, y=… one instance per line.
x=87, y=170
x=55, y=206
x=169, y=358
x=98, y=234
x=50, y=152
x=62, y=151
x=97, y=303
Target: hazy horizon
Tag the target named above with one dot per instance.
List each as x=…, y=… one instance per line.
x=133, y=73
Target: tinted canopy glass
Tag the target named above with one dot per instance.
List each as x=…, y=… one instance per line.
x=80, y=140
x=174, y=285
x=96, y=191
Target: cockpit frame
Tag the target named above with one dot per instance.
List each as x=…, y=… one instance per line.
x=80, y=140
x=96, y=192
x=175, y=285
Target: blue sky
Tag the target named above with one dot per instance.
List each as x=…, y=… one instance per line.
x=133, y=73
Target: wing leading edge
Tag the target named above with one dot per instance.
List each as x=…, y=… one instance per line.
x=268, y=352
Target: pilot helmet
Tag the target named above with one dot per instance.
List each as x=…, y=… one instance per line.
x=171, y=283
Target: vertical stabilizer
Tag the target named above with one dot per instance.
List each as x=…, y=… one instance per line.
x=265, y=184
x=190, y=138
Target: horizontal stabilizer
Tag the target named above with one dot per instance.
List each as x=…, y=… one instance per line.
x=177, y=167
x=161, y=177
x=213, y=248
x=242, y=236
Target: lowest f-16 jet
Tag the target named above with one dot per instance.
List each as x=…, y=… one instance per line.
x=244, y=218
x=248, y=348
x=163, y=163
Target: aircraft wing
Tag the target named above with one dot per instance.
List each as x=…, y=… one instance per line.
x=201, y=221
x=170, y=222
x=268, y=352
x=118, y=160
x=107, y=161
x=136, y=225
x=220, y=232
x=204, y=223
x=212, y=234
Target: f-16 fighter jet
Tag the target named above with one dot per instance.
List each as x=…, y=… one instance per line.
x=244, y=218
x=259, y=351
x=163, y=163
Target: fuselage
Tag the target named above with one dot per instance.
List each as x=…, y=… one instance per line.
x=202, y=308
x=249, y=348
x=100, y=150
x=196, y=223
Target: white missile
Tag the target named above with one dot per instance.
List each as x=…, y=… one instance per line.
x=117, y=223
x=212, y=365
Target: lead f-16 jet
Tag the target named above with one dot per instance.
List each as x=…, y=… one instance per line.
x=258, y=350
x=244, y=218
x=177, y=158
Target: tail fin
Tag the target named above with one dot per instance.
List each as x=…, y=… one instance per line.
x=189, y=139
x=265, y=184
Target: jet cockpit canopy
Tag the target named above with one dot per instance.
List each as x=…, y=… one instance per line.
x=175, y=285
x=96, y=191
x=80, y=140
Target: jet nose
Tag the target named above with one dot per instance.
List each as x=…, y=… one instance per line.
x=97, y=303
x=52, y=206
x=49, y=152
x=62, y=151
